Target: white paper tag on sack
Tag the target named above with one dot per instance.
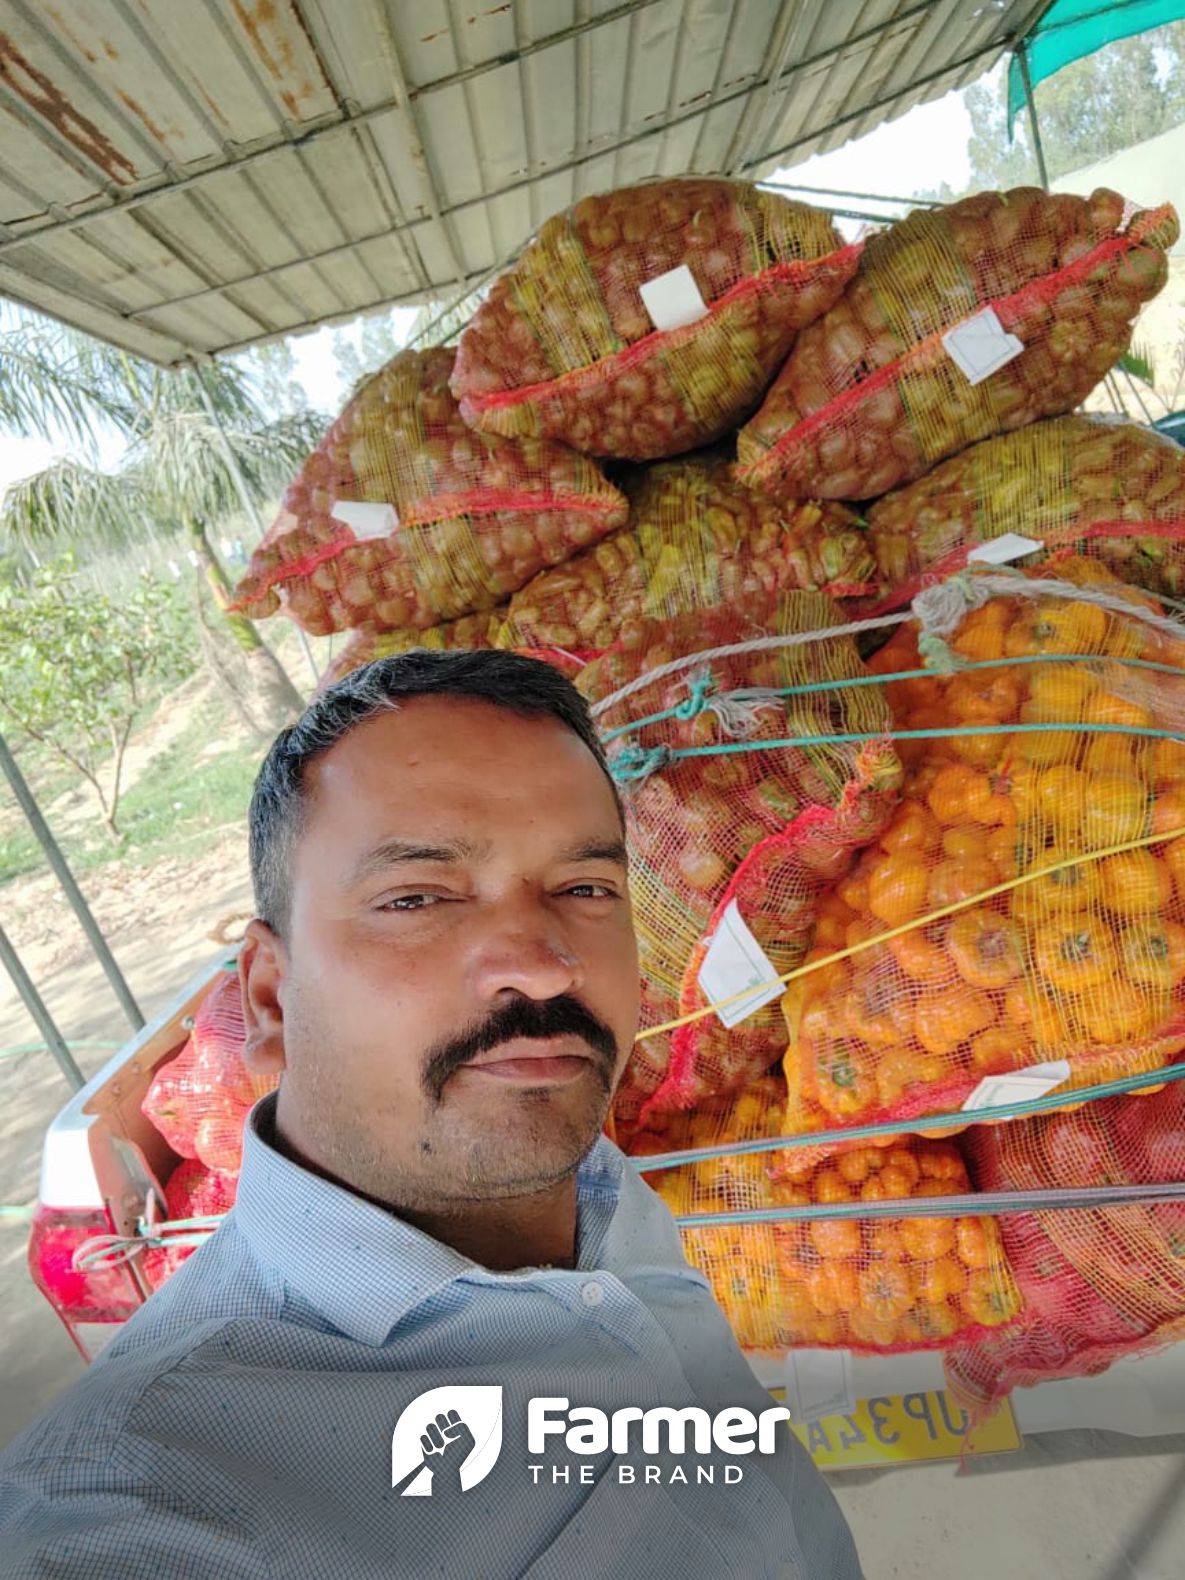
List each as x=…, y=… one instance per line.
x=980, y=345
x=1018, y=1086
x=365, y=518
x=819, y=1383
x=1003, y=550
x=673, y=299
x=733, y=962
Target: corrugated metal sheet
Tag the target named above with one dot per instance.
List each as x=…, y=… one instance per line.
x=186, y=178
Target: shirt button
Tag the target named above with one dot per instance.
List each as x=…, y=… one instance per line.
x=592, y=1293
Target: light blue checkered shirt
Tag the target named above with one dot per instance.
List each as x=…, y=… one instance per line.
x=240, y=1426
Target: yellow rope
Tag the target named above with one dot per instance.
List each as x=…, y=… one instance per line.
x=908, y=927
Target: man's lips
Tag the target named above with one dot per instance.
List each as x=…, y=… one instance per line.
x=532, y=1061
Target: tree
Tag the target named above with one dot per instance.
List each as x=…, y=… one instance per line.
x=78, y=668
x=177, y=472
x=271, y=369
x=358, y=356
x=1122, y=94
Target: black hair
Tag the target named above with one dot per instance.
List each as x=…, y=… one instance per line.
x=527, y=686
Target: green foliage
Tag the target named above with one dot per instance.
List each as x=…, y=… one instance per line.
x=1121, y=95
x=360, y=349
x=78, y=668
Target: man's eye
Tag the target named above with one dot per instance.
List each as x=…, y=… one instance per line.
x=592, y=891
x=409, y=902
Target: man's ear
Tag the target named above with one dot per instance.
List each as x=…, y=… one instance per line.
x=262, y=962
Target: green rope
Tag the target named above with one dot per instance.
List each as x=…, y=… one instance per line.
x=849, y=683
x=635, y=763
x=1021, y=1109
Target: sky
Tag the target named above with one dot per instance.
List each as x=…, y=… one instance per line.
x=924, y=148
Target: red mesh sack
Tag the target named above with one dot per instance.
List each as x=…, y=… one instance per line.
x=564, y=344
x=697, y=539
x=1061, y=936
x=192, y=1191
x=750, y=834
x=1076, y=485
x=1098, y=1284
x=442, y=521
x=474, y=631
x=200, y=1100
x=871, y=396
x=365, y=645
x=873, y=1284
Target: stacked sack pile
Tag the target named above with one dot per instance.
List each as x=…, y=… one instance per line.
x=705, y=456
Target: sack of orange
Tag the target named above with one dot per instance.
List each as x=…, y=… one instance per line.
x=1115, y=491
x=874, y=1284
x=882, y=386
x=1026, y=917
x=697, y=539
x=757, y=831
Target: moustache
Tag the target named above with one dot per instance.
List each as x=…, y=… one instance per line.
x=563, y=1016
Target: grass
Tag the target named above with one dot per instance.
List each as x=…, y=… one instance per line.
x=179, y=797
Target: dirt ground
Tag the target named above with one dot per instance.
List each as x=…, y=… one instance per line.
x=1070, y=1506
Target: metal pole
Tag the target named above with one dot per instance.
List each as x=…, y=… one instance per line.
x=35, y=1004
x=1023, y=57
x=53, y=854
x=245, y=495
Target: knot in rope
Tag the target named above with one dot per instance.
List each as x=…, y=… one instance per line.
x=698, y=690
x=633, y=764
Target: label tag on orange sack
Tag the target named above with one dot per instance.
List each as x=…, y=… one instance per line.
x=980, y=345
x=1018, y=1086
x=1003, y=550
x=673, y=299
x=366, y=518
x=819, y=1383
x=733, y=962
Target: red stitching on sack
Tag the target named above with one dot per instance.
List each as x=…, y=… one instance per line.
x=444, y=507
x=659, y=340
x=1033, y=291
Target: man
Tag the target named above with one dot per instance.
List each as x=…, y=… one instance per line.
x=443, y=972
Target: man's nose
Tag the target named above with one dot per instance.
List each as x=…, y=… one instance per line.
x=523, y=948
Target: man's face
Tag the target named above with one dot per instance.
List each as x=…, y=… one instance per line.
x=459, y=985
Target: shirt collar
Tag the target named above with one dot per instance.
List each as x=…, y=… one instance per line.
x=362, y=1267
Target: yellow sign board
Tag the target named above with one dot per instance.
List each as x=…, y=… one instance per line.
x=902, y=1429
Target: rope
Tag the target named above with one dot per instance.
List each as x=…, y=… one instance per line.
x=633, y=763
x=984, y=1205
x=938, y=610
x=1022, y=1109
x=713, y=703
x=909, y=927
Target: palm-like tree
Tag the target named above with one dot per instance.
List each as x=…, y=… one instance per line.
x=196, y=445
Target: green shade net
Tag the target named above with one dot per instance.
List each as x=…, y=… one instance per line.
x=1073, y=28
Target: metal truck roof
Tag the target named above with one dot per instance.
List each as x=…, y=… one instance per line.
x=183, y=177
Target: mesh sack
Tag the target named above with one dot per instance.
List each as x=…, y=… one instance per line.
x=697, y=539
x=1097, y=1284
x=442, y=521
x=757, y=831
x=880, y=1285
x=473, y=631
x=200, y=1100
x=365, y=645
x=564, y=344
x=870, y=398
x=1077, y=485
x=192, y=1191
x=1085, y=964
